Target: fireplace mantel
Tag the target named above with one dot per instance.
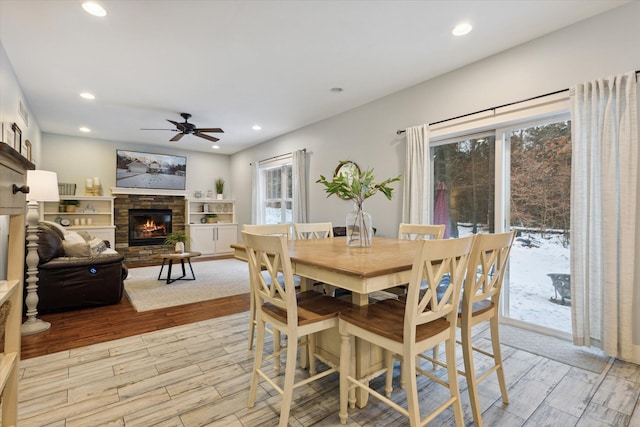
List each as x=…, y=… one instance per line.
x=148, y=191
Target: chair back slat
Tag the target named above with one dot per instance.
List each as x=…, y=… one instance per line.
x=269, y=229
x=420, y=231
x=487, y=267
x=434, y=260
x=313, y=230
x=270, y=253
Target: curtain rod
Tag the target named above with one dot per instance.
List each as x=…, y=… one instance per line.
x=401, y=131
x=278, y=156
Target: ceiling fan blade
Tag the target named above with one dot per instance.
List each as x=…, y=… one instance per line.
x=216, y=130
x=210, y=138
x=172, y=130
x=180, y=126
x=177, y=137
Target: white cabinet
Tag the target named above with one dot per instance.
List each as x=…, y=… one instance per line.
x=13, y=171
x=211, y=238
x=93, y=214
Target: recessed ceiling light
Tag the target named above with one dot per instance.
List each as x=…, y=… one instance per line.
x=462, y=29
x=87, y=95
x=256, y=127
x=215, y=147
x=94, y=8
x=336, y=89
x=84, y=129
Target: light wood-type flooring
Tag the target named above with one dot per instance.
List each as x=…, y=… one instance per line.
x=189, y=366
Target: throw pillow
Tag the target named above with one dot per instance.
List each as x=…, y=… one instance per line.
x=85, y=235
x=60, y=230
x=97, y=246
x=74, y=237
x=76, y=249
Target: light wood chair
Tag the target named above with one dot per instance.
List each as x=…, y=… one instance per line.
x=270, y=230
x=295, y=315
x=315, y=230
x=480, y=303
x=420, y=231
x=312, y=230
x=410, y=329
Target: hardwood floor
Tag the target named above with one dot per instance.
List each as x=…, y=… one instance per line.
x=78, y=328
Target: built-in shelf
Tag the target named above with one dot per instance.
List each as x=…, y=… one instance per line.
x=211, y=238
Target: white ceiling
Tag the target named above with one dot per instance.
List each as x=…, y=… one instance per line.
x=233, y=64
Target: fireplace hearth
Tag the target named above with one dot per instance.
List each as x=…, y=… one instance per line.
x=149, y=226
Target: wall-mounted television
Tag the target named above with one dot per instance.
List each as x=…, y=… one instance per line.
x=136, y=169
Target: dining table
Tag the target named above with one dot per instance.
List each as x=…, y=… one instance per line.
x=361, y=270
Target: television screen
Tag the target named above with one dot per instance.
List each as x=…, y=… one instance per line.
x=148, y=170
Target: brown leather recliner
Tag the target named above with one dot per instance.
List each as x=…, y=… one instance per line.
x=72, y=282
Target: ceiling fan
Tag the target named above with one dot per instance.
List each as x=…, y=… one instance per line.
x=186, y=128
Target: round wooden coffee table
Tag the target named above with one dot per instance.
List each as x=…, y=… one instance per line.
x=171, y=257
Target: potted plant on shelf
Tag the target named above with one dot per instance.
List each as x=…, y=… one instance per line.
x=349, y=183
x=219, y=188
x=211, y=217
x=178, y=239
x=70, y=205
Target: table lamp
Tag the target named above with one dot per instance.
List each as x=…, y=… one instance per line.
x=43, y=187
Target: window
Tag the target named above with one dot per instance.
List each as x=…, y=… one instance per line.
x=277, y=191
x=509, y=169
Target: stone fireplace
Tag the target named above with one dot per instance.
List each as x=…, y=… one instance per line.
x=149, y=237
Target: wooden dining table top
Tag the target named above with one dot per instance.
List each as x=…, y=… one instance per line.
x=386, y=263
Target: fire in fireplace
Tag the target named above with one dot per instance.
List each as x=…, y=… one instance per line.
x=149, y=226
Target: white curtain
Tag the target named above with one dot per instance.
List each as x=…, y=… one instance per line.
x=417, y=177
x=604, y=216
x=299, y=176
x=256, y=194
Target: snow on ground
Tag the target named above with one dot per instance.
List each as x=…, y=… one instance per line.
x=530, y=288
x=149, y=180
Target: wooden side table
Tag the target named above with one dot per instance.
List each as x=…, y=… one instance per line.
x=174, y=257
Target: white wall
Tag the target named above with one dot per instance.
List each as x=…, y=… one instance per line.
x=10, y=95
x=75, y=159
x=601, y=46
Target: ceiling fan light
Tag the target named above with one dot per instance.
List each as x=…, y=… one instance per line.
x=94, y=8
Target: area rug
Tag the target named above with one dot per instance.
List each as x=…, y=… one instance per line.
x=553, y=348
x=214, y=279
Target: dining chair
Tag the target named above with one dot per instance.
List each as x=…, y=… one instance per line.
x=480, y=303
x=420, y=231
x=410, y=329
x=312, y=230
x=294, y=314
x=315, y=230
x=272, y=230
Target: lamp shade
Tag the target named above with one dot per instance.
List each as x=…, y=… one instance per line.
x=43, y=186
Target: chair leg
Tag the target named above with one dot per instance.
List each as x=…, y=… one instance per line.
x=497, y=357
x=452, y=374
x=388, y=360
x=252, y=319
x=277, y=348
x=289, y=377
x=413, y=404
x=310, y=348
x=470, y=375
x=257, y=364
x=436, y=353
x=346, y=341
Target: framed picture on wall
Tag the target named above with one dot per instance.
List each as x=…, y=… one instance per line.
x=9, y=136
x=17, y=139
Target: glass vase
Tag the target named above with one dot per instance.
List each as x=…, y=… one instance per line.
x=359, y=229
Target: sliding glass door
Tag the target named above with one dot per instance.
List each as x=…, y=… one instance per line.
x=538, y=289
x=515, y=178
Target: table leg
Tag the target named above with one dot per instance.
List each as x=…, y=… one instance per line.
x=169, y=272
x=191, y=268
x=161, y=267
